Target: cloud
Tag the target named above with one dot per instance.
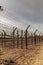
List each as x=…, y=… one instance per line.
x=23, y=12
x=24, y=8
x=31, y=10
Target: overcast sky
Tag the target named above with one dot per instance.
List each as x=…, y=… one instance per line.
x=20, y=13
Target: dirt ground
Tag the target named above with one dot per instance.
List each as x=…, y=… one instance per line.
x=32, y=56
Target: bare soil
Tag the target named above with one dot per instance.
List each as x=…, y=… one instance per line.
x=14, y=56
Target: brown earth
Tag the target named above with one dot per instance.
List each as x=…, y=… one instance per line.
x=32, y=56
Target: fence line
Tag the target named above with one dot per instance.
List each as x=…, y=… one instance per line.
x=16, y=41
x=21, y=39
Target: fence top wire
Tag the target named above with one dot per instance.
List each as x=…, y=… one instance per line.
x=6, y=28
x=10, y=29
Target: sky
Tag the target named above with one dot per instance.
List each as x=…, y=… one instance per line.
x=21, y=13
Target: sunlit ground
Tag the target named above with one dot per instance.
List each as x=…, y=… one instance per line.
x=33, y=56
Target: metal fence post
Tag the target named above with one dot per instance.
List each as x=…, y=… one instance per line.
x=17, y=39
x=26, y=31
x=32, y=38
x=26, y=38
x=35, y=36
x=4, y=39
x=21, y=38
x=35, y=39
x=13, y=33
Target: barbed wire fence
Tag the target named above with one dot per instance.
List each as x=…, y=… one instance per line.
x=19, y=39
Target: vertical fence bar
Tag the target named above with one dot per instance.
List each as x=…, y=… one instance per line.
x=22, y=39
x=26, y=38
x=34, y=39
x=17, y=39
x=26, y=31
x=13, y=33
x=31, y=38
x=2, y=40
x=13, y=39
x=39, y=38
